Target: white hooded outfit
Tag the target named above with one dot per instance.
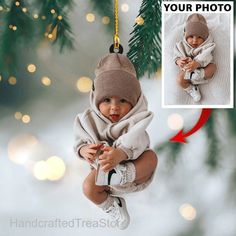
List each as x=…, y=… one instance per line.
x=202, y=54
x=129, y=134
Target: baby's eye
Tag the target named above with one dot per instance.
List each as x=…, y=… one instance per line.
x=107, y=100
x=123, y=100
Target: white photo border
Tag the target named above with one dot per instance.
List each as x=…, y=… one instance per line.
x=231, y=102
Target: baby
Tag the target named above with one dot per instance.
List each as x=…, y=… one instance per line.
x=193, y=55
x=111, y=136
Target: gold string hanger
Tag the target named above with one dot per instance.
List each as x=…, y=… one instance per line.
x=116, y=39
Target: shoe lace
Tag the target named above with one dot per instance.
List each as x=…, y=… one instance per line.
x=193, y=90
x=113, y=211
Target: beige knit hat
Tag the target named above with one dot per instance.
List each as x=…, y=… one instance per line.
x=116, y=76
x=196, y=25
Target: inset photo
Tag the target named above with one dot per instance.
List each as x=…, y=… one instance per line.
x=197, y=57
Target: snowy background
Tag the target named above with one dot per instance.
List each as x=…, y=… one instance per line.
x=184, y=199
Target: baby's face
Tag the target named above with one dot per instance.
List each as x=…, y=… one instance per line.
x=194, y=41
x=114, y=108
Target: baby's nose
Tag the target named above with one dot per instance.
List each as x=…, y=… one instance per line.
x=114, y=106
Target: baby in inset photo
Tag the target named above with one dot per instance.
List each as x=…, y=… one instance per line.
x=194, y=56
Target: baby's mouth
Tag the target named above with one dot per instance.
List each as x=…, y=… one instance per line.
x=114, y=117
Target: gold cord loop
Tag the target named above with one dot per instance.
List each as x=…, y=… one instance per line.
x=116, y=38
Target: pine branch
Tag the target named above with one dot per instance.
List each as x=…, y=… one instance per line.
x=3, y=4
x=104, y=8
x=213, y=142
x=173, y=150
x=56, y=22
x=145, y=43
x=232, y=112
x=17, y=31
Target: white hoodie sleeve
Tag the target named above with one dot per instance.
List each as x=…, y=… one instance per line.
x=136, y=140
x=179, y=51
x=85, y=132
x=205, y=56
x=81, y=136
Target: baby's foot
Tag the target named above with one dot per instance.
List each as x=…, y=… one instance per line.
x=194, y=92
x=187, y=75
x=115, y=176
x=198, y=77
x=118, y=212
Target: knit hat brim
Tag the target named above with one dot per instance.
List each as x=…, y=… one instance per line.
x=116, y=83
x=196, y=29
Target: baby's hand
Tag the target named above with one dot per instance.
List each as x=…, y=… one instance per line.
x=191, y=66
x=182, y=61
x=111, y=157
x=88, y=152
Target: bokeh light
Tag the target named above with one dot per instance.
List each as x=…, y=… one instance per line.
x=175, y=121
x=40, y=170
x=187, y=211
x=105, y=20
x=45, y=81
x=158, y=73
x=36, y=16
x=56, y=168
x=124, y=7
x=84, y=84
x=26, y=119
x=12, y=80
x=31, y=68
x=20, y=147
x=90, y=17
x=139, y=20
x=24, y=9
x=18, y=115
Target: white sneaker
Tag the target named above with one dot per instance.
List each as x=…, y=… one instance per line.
x=194, y=92
x=115, y=176
x=187, y=75
x=198, y=77
x=118, y=212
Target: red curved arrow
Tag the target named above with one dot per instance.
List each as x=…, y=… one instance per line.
x=180, y=137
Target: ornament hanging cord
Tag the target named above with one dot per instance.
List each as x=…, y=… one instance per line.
x=116, y=40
